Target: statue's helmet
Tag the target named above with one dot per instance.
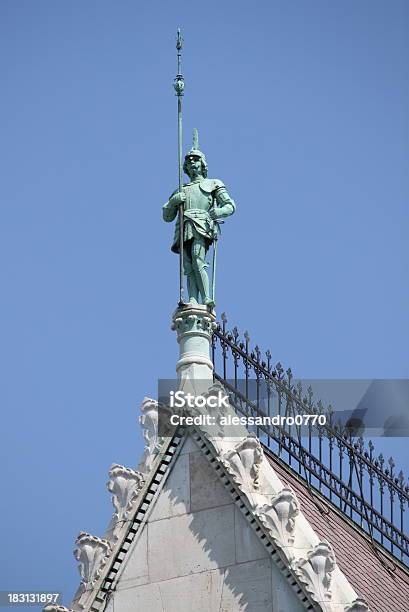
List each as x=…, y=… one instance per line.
x=196, y=152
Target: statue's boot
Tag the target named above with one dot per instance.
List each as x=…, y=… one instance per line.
x=199, y=266
x=192, y=288
x=202, y=281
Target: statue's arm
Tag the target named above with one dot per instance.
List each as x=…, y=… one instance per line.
x=170, y=209
x=225, y=205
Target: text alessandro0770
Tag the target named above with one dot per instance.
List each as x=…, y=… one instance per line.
x=180, y=399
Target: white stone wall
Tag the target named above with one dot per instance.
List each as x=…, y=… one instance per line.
x=197, y=553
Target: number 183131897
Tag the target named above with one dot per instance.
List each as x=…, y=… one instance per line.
x=23, y=598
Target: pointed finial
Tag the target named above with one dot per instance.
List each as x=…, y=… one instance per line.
x=179, y=83
x=195, y=139
x=179, y=40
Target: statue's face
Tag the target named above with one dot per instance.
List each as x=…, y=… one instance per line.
x=194, y=166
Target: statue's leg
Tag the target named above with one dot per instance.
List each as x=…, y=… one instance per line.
x=192, y=287
x=199, y=265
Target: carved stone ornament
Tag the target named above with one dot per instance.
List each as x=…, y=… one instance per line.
x=315, y=571
x=278, y=517
x=153, y=442
x=194, y=320
x=92, y=554
x=359, y=605
x=243, y=462
x=124, y=484
x=217, y=390
x=56, y=608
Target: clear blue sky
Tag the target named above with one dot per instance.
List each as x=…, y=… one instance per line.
x=302, y=109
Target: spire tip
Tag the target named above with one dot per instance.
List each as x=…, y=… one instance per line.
x=179, y=40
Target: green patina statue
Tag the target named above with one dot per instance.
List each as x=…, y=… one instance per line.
x=205, y=204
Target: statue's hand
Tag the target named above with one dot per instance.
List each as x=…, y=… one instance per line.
x=178, y=198
x=216, y=213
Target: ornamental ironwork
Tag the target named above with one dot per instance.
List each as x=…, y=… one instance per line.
x=328, y=457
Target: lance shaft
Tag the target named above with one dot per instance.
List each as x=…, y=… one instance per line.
x=179, y=86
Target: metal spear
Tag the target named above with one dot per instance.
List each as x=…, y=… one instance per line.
x=179, y=86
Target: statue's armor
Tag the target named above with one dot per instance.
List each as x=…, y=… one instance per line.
x=201, y=196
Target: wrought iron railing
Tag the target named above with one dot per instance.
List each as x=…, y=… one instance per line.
x=327, y=456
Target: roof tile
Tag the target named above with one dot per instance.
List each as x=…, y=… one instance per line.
x=385, y=590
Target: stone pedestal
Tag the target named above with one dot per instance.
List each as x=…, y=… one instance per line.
x=194, y=324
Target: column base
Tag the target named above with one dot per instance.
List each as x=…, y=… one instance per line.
x=194, y=324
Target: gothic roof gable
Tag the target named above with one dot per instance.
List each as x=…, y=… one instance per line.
x=271, y=509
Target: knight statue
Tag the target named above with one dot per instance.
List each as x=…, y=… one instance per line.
x=206, y=203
